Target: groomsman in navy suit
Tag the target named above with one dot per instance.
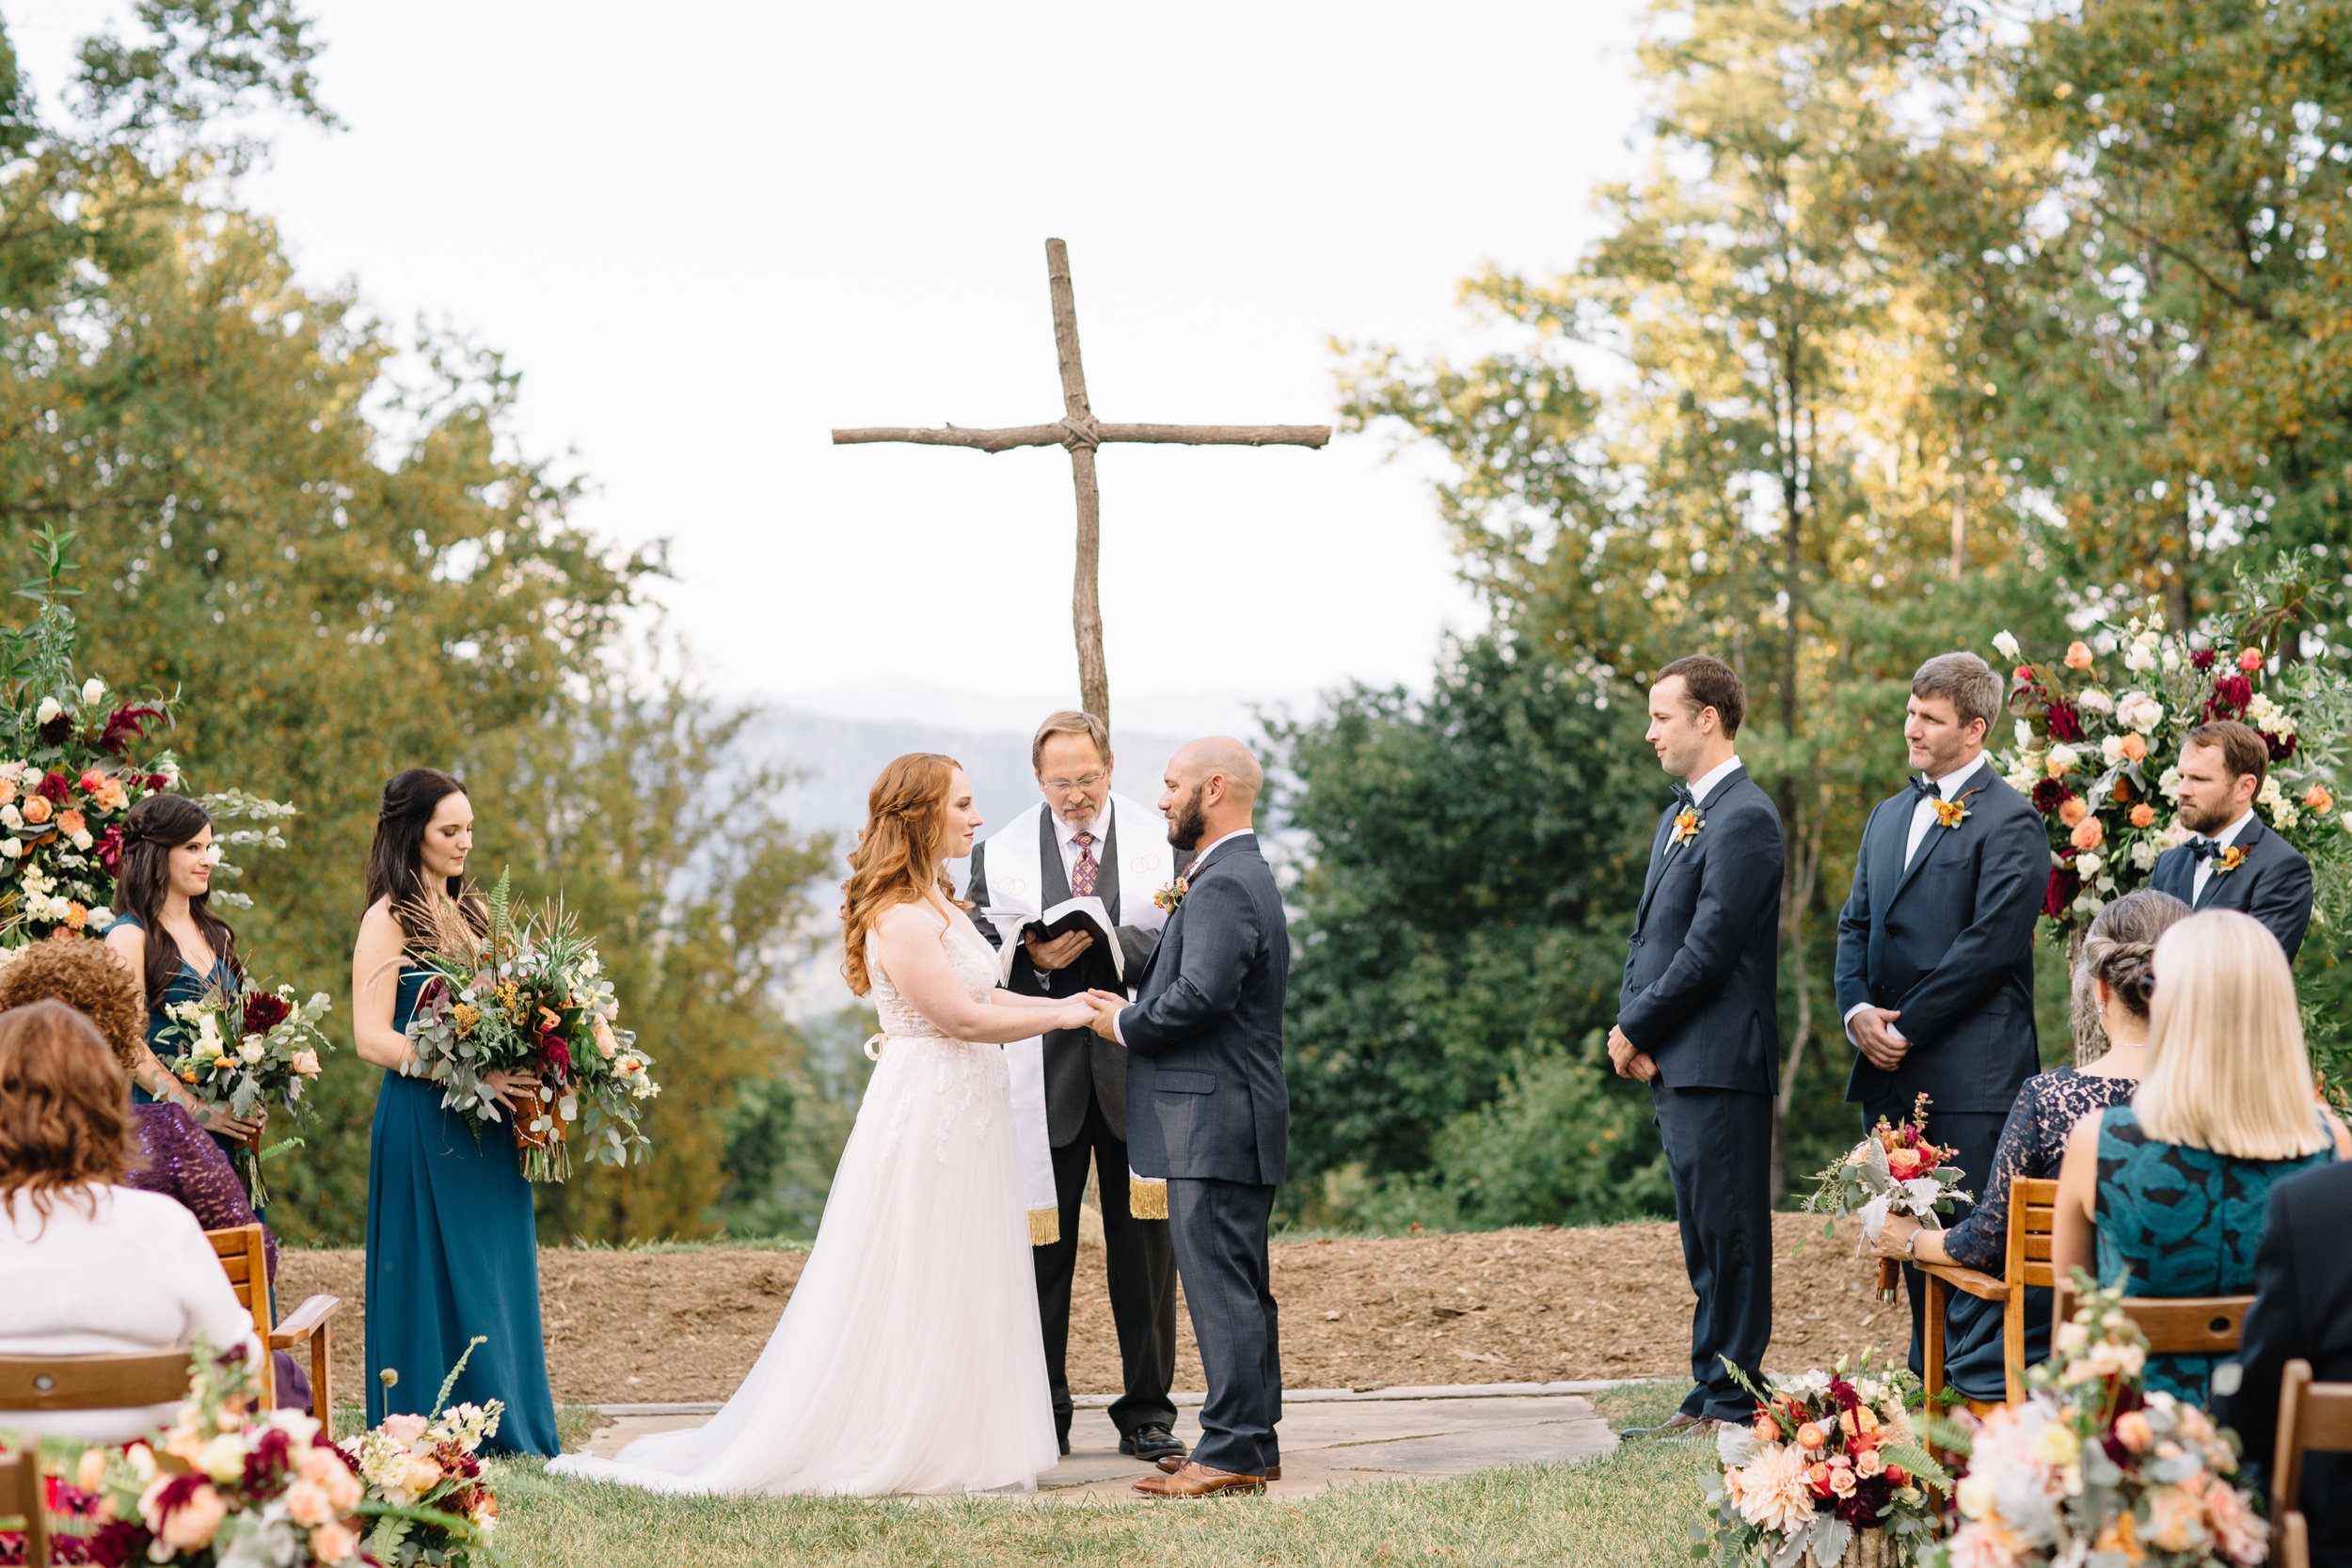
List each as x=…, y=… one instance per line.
x=2234, y=862
x=1935, y=944
x=1698, y=1020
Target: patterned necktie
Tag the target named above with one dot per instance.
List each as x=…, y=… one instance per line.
x=1082, y=874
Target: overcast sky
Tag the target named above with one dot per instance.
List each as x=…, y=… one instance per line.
x=708, y=233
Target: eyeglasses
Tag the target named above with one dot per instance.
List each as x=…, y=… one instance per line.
x=1063, y=786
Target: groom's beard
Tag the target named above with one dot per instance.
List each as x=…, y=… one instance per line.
x=1190, y=824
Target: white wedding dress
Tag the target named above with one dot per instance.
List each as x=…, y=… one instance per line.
x=909, y=1358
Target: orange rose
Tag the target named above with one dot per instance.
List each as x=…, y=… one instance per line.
x=2249, y=659
x=1903, y=1164
x=2025, y=672
x=2079, y=655
x=1811, y=1436
x=2143, y=816
x=2088, y=835
x=2317, y=799
x=2134, y=746
x=1817, y=1477
x=37, y=808
x=112, y=796
x=2072, y=810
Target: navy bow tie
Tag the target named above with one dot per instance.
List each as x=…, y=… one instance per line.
x=1922, y=790
x=2205, y=848
x=1683, y=798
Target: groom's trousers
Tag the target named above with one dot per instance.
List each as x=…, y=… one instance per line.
x=1718, y=1152
x=1142, y=1277
x=1219, y=1229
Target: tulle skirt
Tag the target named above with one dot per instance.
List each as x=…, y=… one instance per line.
x=909, y=1358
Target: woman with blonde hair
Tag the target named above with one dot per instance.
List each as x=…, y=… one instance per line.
x=2114, y=980
x=2167, y=1193
x=909, y=1359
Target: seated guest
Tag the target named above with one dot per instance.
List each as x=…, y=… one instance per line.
x=171, y=1155
x=93, y=1267
x=2167, y=1193
x=2112, y=983
x=2302, y=1309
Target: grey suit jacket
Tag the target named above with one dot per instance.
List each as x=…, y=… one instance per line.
x=1206, y=1099
x=1080, y=1063
x=2273, y=884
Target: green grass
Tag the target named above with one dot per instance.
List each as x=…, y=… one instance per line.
x=1634, y=1506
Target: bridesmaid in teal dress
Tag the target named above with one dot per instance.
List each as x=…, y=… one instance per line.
x=452, y=1251
x=2167, y=1193
x=166, y=934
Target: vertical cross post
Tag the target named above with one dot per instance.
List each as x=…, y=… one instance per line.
x=1085, y=592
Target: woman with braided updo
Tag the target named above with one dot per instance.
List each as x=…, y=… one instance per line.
x=2113, y=982
x=172, y=942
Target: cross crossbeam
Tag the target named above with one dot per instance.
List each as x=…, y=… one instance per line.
x=1080, y=433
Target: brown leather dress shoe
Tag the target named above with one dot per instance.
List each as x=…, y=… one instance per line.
x=1198, y=1481
x=1175, y=1462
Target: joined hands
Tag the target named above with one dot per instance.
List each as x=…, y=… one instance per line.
x=1874, y=1034
x=1630, y=1060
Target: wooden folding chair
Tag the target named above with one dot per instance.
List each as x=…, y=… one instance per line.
x=2172, y=1325
x=74, y=1383
x=2310, y=1416
x=2032, y=1208
x=245, y=1257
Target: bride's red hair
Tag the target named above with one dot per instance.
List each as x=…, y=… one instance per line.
x=901, y=852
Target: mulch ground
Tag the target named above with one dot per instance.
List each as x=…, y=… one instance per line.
x=1506, y=1307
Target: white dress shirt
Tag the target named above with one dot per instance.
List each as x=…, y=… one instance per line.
x=1922, y=818
x=131, y=1271
x=1117, y=1032
x=1713, y=776
x=2226, y=837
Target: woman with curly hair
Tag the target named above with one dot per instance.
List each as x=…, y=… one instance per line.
x=170, y=1153
x=909, y=1358
x=72, y=1234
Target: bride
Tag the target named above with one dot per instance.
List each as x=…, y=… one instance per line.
x=909, y=1358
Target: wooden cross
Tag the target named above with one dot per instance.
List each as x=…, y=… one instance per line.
x=1079, y=431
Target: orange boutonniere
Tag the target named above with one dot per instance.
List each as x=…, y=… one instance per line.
x=2229, y=860
x=1687, y=824
x=1171, y=896
x=1951, y=813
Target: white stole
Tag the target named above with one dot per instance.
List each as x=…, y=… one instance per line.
x=1016, y=891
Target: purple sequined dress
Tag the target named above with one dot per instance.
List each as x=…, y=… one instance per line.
x=182, y=1161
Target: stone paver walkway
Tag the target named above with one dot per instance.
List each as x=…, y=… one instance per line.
x=1330, y=1437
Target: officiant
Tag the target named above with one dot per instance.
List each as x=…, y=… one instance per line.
x=1069, y=1086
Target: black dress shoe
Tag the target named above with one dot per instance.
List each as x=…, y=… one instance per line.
x=1064, y=1440
x=1153, y=1441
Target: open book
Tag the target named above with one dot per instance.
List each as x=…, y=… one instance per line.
x=1072, y=914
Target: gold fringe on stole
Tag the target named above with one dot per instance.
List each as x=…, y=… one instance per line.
x=1045, y=1224
x=1147, y=1199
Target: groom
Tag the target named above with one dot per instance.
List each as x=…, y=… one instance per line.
x=1207, y=1107
x=1698, y=1020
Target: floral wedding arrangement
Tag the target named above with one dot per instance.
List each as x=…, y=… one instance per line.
x=240, y=1043
x=2099, y=730
x=1830, y=1473
x=530, y=996
x=1896, y=1170
x=2093, y=1466
x=425, y=1474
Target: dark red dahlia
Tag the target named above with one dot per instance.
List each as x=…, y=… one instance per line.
x=2065, y=723
x=2201, y=660
x=555, y=1058
x=2281, y=746
x=2049, y=794
x=54, y=787
x=266, y=1462
x=55, y=731
x=2231, y=695
x=265, y=1012
x=156, y=781
x=2059, y=896
x=125, y=724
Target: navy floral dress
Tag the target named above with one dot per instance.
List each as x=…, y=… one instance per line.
x=2183, y=1222
x=2033, y=1145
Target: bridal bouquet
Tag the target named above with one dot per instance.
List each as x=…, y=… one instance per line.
x=529, y=996
x=241, y=1043
x=425, y=1472
x=222, y=1486
x=1896, y=1170
x=2092, y=1468
x=1830, y=1471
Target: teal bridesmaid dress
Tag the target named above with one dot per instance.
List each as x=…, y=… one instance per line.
x=452, y=1253
x=2182, y=1222
x=187, y=986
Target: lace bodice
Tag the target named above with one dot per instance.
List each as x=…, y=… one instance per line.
x=974, y=964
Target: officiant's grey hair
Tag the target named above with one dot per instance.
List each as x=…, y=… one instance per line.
x=1070, y=721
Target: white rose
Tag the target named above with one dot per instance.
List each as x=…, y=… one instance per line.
x=2112, y=748
x=92, y=689
x=81, y=840
x=2006, y=645
x=2137, y=710
x=2170, y=783
x=2139, y=656
x=2144, y=853
x=101, y=917
x=2062, y=760
x=2087, y=865
x=12, y=847
x=2171, y=657
x=2095, y=701
x=49, y=709
x=251, y=1051
x=10, y=814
